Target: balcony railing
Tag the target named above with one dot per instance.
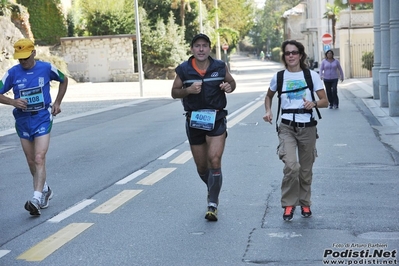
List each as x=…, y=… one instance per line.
x=356, y=19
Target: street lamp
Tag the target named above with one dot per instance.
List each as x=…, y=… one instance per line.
x=200, y=15
x=138, y=43
x=217, y=31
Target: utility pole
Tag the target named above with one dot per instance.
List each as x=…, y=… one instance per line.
x=217, y=32
x=200, y=16
x=349, y=41
x=138, y=43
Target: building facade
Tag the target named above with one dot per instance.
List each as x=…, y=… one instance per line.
x=100, y=58
x=358, y=32
x=386, y=63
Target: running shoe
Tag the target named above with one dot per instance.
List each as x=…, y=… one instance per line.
x=306, y=212
x=33, y=207
x=46, y=196
x=288, y=213
x=211, y=214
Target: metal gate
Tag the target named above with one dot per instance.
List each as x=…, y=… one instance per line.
x=357, y=51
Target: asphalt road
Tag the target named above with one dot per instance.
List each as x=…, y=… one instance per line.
x=126, y=190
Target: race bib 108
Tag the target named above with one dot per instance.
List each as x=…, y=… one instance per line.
x=34, y=97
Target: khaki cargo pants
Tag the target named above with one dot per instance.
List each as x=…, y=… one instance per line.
x=298, y=152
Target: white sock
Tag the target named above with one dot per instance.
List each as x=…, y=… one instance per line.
x=37, y=195
x=45, y=187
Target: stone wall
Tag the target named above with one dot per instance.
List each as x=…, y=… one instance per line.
x=100, y=58
x=10, y=35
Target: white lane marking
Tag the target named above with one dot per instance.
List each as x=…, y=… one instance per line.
x=244, y=114
x=285, y=235
x=130, y=177
x=74, y=209
x=156, y=176
x=70, y=117
x=182, y=158
x=4, y=252
x=236, y=112
x=168, y=154
x=62, y=119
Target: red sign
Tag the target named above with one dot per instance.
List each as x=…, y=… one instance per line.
x=360, y=1
x=225, y=46
x=326, y=38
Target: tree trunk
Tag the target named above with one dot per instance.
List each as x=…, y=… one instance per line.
x=334, y=21
x=182, y=10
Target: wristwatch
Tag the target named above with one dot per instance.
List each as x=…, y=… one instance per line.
x=315, y=104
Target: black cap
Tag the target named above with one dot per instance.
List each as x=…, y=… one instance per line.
x=200, y=36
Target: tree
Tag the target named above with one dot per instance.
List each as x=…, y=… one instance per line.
x=267, y=32
x=233, y=14
x=94, y=17
x=183, y=5
x=332, y=12
x=5, y=8
x=156, y=9
x=165, y=44
x=47, y=20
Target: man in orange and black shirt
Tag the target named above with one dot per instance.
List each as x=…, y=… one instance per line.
x=202, y=83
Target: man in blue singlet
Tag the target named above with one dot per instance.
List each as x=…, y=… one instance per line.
x=33, y=113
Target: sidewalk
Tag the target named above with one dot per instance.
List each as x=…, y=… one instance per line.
x=389, y=128
x=361, y=88
x=82, y=92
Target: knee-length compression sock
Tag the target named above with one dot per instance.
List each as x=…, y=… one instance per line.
x=204, y=177
x=215, y=181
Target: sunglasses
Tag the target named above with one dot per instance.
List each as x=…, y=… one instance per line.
x=287, y=53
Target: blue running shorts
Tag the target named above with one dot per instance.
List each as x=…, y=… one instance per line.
x=33, y=124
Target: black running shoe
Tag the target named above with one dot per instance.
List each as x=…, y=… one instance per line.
x=288, y=213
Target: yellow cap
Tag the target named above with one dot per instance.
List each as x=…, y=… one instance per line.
x=23, y=48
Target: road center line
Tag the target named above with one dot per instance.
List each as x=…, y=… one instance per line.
x=182, y=158
x=116, y=201
x=46, y=247
x=156, y=176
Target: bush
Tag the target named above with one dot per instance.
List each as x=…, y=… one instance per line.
x=47, y=20
x=276, y=54
x=368, y=60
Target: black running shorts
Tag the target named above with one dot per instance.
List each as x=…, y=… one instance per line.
x=198, y=136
